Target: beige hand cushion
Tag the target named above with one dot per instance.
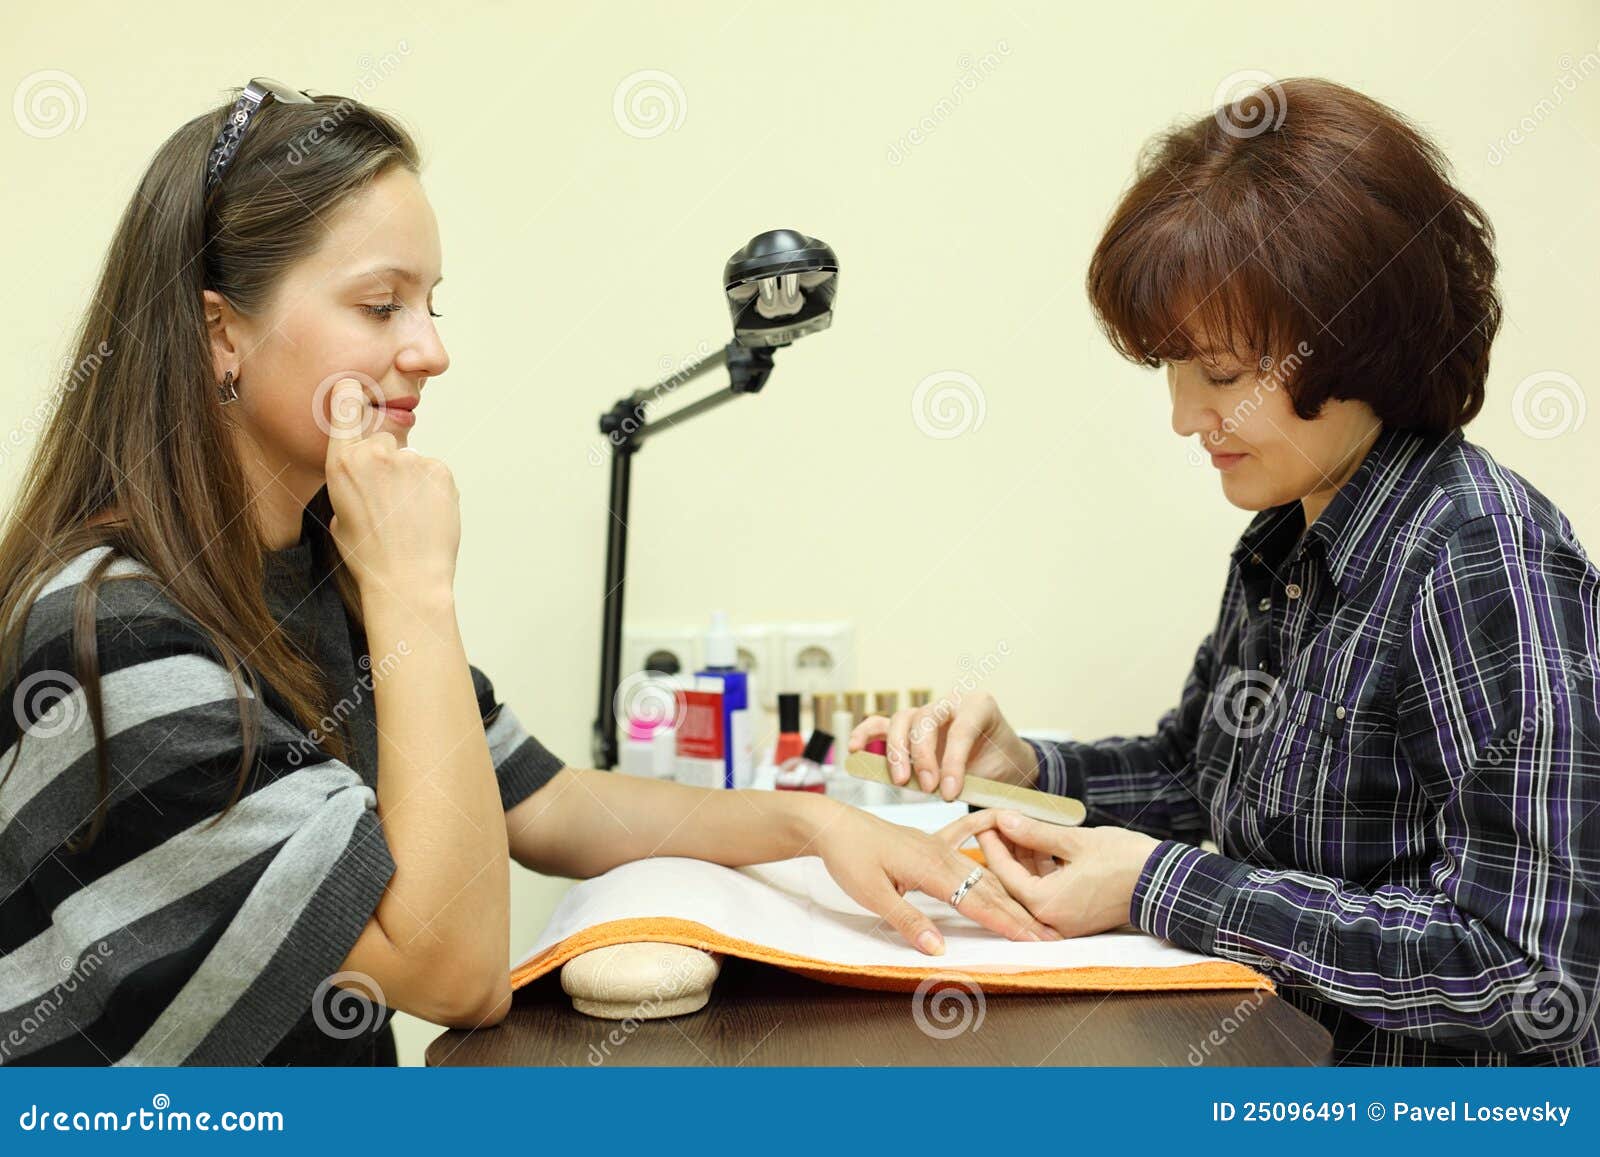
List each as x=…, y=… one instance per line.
x=641, y=981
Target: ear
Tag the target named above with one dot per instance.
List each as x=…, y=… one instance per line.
x=223, y=326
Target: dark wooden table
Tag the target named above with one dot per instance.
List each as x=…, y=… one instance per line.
x=760, y=1015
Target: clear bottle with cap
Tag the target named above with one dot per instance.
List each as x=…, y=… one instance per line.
x=842, y=785
x=722, y=671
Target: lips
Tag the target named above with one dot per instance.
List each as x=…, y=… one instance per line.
x=400, y=403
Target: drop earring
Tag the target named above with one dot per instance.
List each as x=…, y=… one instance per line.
x=227, y=391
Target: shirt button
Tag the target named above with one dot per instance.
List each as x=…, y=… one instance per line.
x=1262, y=665
x=1292, y=590
x=1338, y=712
x=1264, y=605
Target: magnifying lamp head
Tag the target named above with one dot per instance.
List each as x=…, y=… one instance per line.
x=780, y=287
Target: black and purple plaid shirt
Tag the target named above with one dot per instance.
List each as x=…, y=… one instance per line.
x=1393, y=737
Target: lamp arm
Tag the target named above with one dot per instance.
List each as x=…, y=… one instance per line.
x=626, y=425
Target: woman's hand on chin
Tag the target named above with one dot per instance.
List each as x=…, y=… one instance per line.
x=877, y=862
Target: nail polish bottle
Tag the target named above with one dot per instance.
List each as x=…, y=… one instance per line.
x=804, y=771
x=790, y=742
x=823, y=706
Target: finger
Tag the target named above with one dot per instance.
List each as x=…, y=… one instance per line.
x=972, y=720
x=987, y=904
x=870, y=728
x=906, y=919
x=957, y=832
x=924, y=743
x=1020, y=882
x=1052, y=839
x=1039, y=863
x=898, y=746
x=989, y=889
x=349, y=415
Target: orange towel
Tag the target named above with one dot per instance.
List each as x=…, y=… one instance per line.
x=1209, y=975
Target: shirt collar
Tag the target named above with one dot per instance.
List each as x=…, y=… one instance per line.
x=1362, y=517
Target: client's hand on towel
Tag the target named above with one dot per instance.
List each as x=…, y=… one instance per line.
x=877, y=863
x=1077, y=880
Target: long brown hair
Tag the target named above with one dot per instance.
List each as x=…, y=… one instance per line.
x=136, y=436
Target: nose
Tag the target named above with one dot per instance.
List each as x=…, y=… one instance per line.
x=423, y=354
x=1192, y=411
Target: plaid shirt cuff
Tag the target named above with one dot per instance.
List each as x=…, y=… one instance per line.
x=1058, y=773
x=1183, y=892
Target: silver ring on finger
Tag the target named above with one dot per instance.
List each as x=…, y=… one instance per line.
x=960, y=893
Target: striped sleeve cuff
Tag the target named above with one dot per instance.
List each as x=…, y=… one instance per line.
x=1058, y=774
x=1183, y=893
x=521, y=763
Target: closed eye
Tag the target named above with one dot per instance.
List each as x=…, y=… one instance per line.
x=382, y=312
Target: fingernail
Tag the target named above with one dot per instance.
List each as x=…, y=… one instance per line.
x=925, y=778
x=950, y=786
x=931, y=942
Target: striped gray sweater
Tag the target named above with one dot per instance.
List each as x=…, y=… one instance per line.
x=175, y=939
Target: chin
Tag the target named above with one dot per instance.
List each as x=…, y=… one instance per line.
x=1247, y=497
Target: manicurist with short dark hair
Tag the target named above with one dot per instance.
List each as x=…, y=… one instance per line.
x=1391, y=733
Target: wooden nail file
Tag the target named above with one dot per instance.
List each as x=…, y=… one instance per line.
x=1052, y=809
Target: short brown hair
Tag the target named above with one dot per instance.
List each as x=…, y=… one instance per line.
x=1307, y=212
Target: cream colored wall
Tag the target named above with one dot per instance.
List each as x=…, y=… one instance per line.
x=1068, y=529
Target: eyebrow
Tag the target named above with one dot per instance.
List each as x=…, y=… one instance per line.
x=399, y=272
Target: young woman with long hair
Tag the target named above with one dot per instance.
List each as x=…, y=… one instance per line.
x=249, y=762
